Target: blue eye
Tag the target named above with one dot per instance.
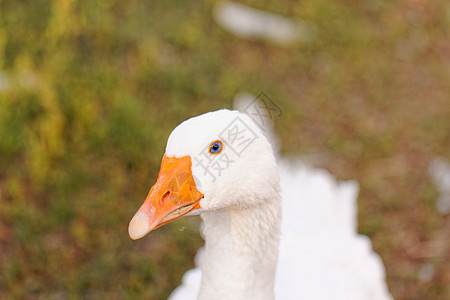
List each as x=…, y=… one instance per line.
x=215, y=147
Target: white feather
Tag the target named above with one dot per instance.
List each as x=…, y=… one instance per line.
x=321, y=255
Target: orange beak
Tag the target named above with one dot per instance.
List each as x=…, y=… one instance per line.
x=173, y=195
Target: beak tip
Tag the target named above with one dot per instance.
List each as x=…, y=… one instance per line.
x=139, y=226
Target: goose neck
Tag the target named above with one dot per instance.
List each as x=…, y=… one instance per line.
x=241, y=252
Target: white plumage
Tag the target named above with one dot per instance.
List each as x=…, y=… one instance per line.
x=320, y=255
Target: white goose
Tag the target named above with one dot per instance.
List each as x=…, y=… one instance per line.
x=221, y=166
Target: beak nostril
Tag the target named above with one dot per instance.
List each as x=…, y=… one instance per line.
x=164, y=197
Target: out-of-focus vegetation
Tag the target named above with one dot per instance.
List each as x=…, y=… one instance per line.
x=90, y=90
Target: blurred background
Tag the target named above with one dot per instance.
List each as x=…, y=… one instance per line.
x=90, y=91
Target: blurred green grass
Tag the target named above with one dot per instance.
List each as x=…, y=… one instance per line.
x=95, y=88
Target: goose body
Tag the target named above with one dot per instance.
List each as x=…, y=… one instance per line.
x=257, y=246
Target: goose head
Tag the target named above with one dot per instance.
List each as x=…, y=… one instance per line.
x=216, y=161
